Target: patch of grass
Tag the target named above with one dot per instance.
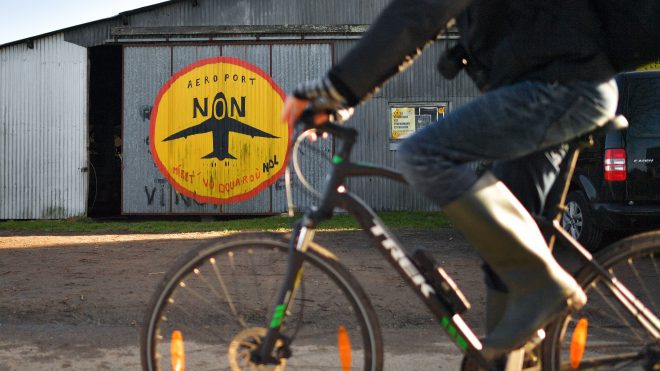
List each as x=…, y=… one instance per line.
x=393, y=219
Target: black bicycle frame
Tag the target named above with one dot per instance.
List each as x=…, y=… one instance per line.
x=335, y=195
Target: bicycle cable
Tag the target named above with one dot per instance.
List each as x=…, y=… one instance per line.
x=297, y=169
x=296, y=164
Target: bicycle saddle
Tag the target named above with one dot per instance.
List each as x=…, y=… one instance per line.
x=618, y=122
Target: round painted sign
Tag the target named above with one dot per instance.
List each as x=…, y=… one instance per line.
x=216, y=133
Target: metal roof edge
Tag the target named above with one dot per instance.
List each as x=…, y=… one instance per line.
x=125, y=31
x=254, y=32
x=115, y=17
x=238, y=30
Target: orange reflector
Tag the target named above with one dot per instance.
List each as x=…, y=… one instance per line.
x=344, y=344
x=578, y=342
x=177, y=351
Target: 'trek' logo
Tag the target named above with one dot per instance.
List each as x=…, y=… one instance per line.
x=216, y=134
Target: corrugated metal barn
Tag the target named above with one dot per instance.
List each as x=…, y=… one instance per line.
x=76, y=104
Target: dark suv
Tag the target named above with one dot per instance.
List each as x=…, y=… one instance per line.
x=616, y=186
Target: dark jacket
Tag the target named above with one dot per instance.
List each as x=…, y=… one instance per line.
x=507, y=41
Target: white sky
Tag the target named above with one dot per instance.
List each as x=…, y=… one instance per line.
x=20, y=19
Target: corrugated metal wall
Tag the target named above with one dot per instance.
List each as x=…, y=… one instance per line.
x=262, y=12
x=419, y=84
x=291, y=65
x=43, y=130
x=233, y=12
x=143, y=187
x=43, y=97
x=147, y=68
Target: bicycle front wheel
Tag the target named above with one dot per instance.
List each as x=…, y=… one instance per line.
x=213, y=308
x=604, y=335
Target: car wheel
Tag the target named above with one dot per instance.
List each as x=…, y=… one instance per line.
x=577, y=221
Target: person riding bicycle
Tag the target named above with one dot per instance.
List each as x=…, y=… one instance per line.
x=545, y=81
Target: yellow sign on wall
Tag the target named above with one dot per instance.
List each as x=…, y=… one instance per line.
x=216, y=133
x=403, y=122
x=408, y=118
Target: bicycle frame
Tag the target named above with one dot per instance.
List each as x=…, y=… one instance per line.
x=335, y=194
x=555, y=232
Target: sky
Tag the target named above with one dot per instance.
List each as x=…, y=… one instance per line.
x=20, y=19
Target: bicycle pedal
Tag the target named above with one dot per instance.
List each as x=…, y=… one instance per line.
x=445, y=288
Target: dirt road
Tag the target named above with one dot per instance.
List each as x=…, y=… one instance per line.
x=77, y=302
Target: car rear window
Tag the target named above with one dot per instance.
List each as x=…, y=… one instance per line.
x=642, y=106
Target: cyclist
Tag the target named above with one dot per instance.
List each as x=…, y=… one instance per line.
x=545, y=81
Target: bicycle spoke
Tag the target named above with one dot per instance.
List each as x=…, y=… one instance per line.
x=230, y=300
x=597, y=363
x=171, y=305
x=208, y=331
x=255, y=280
x=634, y=305
x=616, y=311
x=619, y=334
x=641, y=283
x=238, y=317
x=186, y=313
x=199, y=296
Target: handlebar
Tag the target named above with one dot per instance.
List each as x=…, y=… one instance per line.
x=342, y=166
x=347, y=135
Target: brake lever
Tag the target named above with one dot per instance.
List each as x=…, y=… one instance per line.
x=336, y=117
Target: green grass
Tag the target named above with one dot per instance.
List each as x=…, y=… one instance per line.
x=395, y=220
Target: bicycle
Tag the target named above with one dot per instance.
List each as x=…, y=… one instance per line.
x=205, y=315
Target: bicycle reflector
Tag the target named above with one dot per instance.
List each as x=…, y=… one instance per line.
x=344, y=345
x=177, y=352
x=578, y=342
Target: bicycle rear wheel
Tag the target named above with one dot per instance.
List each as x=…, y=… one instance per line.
x=615, y=340
x=215, y=305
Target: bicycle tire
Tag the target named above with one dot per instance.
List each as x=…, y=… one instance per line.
x=614, y=339
x=219, y=327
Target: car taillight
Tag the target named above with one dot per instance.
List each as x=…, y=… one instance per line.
x=615, y=165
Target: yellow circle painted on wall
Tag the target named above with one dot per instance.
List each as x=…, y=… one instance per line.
x=216, y=133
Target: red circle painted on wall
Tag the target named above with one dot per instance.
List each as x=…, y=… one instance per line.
x=216, y=133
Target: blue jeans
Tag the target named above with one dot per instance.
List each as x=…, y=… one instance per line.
x=518, y=128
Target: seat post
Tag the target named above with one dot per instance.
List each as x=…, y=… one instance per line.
x=566, y=176
x=566, y=173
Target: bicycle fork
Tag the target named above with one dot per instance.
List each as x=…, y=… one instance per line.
x=300, y=239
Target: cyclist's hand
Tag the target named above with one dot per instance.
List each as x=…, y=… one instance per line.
x=320, y=96
x=293, y=108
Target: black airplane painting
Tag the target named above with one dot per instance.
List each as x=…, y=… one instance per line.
x=220, y=125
